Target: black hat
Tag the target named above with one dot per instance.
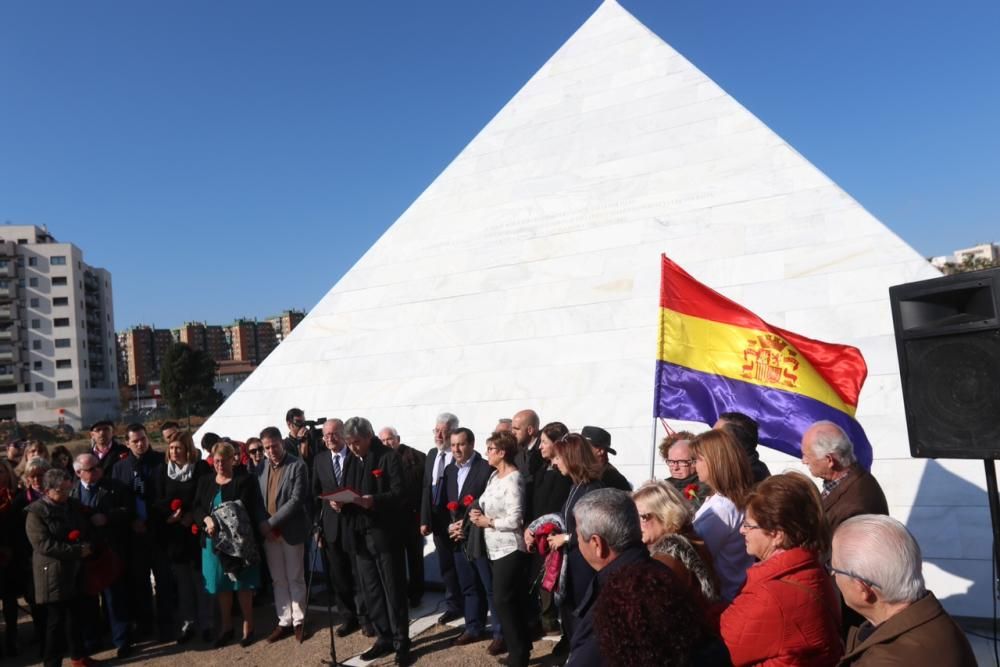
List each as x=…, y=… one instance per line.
x=102, y=424
x=599, y=438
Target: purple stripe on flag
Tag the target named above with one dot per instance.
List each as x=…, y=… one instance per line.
x=783, y=417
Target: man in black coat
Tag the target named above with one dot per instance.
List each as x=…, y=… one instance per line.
x=329, y=470
x=142, y=471
x=107, y=504
x=301, y=440
x=434, y=517
x=374, y=537
x=104, y=446
x=413, y=463
x=527, y=431
x=465, y=480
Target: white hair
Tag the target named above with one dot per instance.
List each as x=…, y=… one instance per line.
x=881, y=550
x=392, y=431
x=830, y=439
x=449, y=420
x=80, y=461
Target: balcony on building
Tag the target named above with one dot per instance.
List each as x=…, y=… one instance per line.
x=9, y=354
x=7, y=312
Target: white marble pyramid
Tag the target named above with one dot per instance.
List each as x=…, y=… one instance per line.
x=527, y=275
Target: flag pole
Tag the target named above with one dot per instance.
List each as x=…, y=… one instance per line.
x=652, y=453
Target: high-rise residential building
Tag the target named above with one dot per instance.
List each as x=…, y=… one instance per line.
x=284, y=323
x=250, y=340
x=210, y=338
x=145, y=348
x=57, y=340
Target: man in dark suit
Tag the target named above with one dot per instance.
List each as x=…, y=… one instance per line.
x=107, y=505
x=104, y=446
x=413, y=463
x=527, y=431
x=284, y=485
x=375, y=538
x=143, y=471
x=434, y=517
x=465, y=480
x=329, y=470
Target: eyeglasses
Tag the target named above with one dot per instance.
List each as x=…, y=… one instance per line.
x=867, y=582
x=87, y=469
x=491, y=448
x=749, y=526
x=677, y=463
x=254, y=450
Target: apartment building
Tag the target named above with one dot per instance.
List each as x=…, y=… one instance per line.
x=250, y=340
x=209, y=338
x=284, y=323
x=57, y=340
x=144, y=349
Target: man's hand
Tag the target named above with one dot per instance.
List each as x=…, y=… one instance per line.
x=529, y=538
x=425, y=530
x=365, y=502
x=336, y=506
x=86, y=550
x=175, y=517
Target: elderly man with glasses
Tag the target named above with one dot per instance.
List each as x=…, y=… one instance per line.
x=877, y=566
x=676, y=452
x=107, y=504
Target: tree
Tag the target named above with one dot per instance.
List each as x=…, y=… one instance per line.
x=187, y=381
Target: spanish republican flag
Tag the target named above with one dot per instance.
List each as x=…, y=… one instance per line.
x=716, y=356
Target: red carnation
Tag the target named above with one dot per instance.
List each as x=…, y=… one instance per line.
x=194, y=529
x=176, y=504
x=691, y=491
x=377, y=473
x=453, y=506
x=74, y=535
x=468, y=500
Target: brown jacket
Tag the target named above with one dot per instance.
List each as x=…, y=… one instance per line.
x=56, y=561
x=860, y=493
x=922, y=635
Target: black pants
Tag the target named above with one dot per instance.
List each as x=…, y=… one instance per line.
x=510, y=595
x=382, y=576
x=414, y=558
x=64, y=625
x=347, y=589
x=444, y=547
x=148, y=556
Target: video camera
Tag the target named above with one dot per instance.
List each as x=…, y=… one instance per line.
x=313, y=423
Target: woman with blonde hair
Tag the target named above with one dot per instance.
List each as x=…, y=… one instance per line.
x=35, y=449
x=723, y=466
x=667, y=523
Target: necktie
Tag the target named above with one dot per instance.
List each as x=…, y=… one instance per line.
x=336, y=469
x=438, y=474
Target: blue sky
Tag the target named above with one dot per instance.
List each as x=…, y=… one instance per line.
x=227, y=159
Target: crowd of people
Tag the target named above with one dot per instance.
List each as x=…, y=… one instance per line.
x=535, y=532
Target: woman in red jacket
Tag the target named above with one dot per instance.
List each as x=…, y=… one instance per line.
x=787, y=613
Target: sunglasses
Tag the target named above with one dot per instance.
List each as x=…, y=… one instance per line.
x=254, y=450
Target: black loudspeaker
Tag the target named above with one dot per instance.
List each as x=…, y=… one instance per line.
x=948, y=341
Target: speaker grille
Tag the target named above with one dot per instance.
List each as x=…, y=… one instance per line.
x=951, y=389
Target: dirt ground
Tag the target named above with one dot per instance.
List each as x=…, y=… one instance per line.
x=430, y=647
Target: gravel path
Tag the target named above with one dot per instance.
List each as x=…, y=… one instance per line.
x=431, y=646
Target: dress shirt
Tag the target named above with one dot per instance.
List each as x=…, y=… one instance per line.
x=342, y=456
x=463, y=472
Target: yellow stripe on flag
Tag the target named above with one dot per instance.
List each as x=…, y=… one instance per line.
x=739, y=353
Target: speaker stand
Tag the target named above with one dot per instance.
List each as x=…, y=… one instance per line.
x=994, y=498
